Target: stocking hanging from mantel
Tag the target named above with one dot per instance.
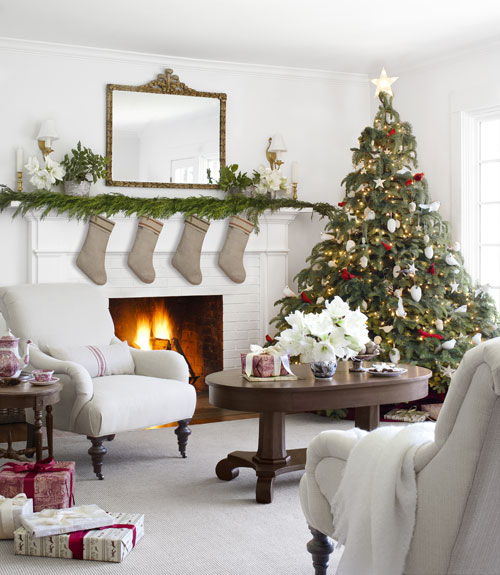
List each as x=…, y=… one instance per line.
x=231, y=255
x=186, y=259
x=91, y=257
x=140, y=258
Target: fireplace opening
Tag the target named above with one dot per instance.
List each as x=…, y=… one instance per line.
x=190, y=325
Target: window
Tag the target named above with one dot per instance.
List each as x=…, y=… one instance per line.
x=481, y=199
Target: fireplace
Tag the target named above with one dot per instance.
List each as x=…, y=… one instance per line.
x=190, y=325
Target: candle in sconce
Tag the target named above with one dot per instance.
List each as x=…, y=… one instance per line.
x=19, y=159
x=295, y=172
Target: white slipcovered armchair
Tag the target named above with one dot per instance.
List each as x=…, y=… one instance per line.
x=55, y=315
x=457, y=527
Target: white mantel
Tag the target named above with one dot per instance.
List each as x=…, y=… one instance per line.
x=54, y=243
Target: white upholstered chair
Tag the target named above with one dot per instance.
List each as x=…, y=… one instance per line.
x=457, y=528
x=72, y=315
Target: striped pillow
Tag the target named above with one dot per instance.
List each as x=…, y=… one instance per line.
x=98, y=360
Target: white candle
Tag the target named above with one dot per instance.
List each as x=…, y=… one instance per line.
x=295, y=172
x=20, y=159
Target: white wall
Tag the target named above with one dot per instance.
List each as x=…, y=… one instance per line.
x=320, y=115
x=430, y=98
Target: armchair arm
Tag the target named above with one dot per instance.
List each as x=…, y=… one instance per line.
x=166, y=364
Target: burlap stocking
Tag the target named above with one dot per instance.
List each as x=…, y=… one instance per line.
x=231, y=255
x=91, y=257
x=140, y=258
x=187, y=256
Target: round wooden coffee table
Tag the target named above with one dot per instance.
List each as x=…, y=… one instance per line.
x=364, y=392
x=36, y=397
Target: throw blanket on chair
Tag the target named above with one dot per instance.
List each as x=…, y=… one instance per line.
x=374, y=506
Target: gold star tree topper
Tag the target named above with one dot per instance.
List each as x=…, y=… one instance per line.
x=384, y=83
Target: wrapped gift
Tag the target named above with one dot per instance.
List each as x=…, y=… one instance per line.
x=112, y=543
x=55, y=521
x=11, y=510
x=49, y=483
x=259, y=363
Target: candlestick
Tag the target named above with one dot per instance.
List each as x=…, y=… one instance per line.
x=19, y=159
x=294, y=190
x=19, y=181
x=295, y=172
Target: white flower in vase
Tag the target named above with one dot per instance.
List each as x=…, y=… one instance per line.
x=44, y=178
x=33, y=165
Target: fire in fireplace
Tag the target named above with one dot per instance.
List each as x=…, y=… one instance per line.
x=190, y=325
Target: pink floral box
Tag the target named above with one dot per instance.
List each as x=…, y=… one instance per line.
x=262, y=365
x=51, y=489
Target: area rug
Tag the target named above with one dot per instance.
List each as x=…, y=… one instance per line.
x=195, y=523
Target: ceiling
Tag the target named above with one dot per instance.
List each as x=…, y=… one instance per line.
x=338, y=35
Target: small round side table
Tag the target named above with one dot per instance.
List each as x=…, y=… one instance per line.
x=36, y=397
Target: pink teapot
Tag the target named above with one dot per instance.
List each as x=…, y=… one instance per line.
x=11, y=363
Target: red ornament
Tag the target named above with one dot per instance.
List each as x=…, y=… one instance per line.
x=342, y=204
x=388, y=247
x=418, y=177
x=347, y=275
x=304, y=297
x=425, y=334
x=432, y=269
x=391, y=133
x=269, y=339
x=409, y=182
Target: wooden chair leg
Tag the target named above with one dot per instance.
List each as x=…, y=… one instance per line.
x=183, y=432
x=30, y=439
x=320, y=547
x=97, y=451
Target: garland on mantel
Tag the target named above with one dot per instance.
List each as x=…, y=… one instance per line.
x=77, y=207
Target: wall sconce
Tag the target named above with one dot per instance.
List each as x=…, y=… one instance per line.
x=275, y=148
x=46, y=136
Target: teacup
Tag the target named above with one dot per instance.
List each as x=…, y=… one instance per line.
x=43, y=375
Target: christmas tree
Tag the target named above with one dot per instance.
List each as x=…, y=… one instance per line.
x=388, y=251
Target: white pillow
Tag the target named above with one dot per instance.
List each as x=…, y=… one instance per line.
x=98, y=360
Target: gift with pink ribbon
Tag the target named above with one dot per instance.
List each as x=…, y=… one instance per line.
x=11, y=510
x=262, y=363
x=49, y=483
x=110, y=543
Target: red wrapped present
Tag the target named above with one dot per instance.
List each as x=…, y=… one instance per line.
x=49, y=483
x=262, y=364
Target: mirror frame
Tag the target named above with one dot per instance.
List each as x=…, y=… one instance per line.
x=167, y=83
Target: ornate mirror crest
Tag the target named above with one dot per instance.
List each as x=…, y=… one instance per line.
x=164, y=134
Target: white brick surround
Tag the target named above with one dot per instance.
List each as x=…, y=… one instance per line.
x=54, y=243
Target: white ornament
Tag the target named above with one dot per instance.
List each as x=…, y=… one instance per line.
x=448, y=371
x=476, y=339
x=287, y=292
x=400, y=312
x=450, y=344
x=350, y=245
x=369, y=214
x=363, y=170
x=387, y=328
x=321, y=299
x=429, y=252
x=377, y=339
x=454, y=286
x=379, y=183
x=398, y=292
x=434, y=207
x=331, y=264
x=439, y=324
x=426, y=239
x=412, y=206
x=395, y=355
x=396, y=270
x=398, y=224
x=384, y=83
x=364, y=305
x=416, y=293
x=391, y=225
x=461, y=309
x=412, y=270
x=456, y=246
x=363, y=261
x=325, y=237
x=351, y=216
x=450, y=260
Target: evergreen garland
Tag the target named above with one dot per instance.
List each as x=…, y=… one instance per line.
x=80, y=208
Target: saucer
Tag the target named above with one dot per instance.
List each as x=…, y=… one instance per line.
x=33, y=381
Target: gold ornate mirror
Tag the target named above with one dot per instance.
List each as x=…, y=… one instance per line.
x=164, y=134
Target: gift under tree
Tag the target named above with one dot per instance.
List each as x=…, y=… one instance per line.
x=388, y=251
